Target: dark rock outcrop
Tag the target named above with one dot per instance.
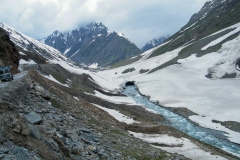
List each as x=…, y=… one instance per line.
x=32, y=48
x=8, y=52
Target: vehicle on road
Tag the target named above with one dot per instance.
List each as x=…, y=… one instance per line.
x=5, y=73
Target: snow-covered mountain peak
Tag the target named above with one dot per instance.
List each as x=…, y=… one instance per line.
x=154, y=43
x=93, y=37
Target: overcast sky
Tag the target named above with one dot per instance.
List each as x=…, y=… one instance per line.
x=138, y=20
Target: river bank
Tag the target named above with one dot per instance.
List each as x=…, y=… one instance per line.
x=206, y=135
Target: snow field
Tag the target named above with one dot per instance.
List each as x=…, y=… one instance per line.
x=181, y=146
x=114, y=99
x=117, y=115
x=50, y=77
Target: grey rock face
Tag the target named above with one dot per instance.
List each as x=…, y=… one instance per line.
x=43, y=92
x=33, y=118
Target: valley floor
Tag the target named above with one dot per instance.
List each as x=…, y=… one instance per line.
x=84, y=112
x=42, y=119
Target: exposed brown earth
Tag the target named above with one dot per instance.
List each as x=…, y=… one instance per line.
x=8, y=52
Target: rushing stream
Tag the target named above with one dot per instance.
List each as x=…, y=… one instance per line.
x=212, y=137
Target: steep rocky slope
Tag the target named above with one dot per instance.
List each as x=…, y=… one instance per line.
x=93, y=43
x=32, y=47
x=214, y=16
x=9, y=55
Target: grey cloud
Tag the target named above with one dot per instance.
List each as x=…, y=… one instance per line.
x=139, y=20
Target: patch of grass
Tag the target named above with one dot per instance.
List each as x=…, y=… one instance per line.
x=55, y=103
x=128, y=70
x=96, y=122
x=143, y=71
x=139, y=153
x=59, y=77
x=77, y=87
x=125, y=62
x=119, y=132
x=196, y=47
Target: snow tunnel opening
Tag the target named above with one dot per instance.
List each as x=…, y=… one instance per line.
x=130, y=83
x=238, y=64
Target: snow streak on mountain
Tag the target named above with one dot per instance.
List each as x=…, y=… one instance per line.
x=30, y=44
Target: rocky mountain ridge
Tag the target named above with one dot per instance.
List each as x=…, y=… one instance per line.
x=209, y=24
x=154, y=43
x=93, y=43
x=214, y=16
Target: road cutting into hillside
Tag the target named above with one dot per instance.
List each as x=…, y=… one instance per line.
x=15, y=76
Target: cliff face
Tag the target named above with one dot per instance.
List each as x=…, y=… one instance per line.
x=8, y=52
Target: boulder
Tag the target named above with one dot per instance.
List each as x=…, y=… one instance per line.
x=33, y=118
x=20, y=153
x=34, y=132
x=43, y=92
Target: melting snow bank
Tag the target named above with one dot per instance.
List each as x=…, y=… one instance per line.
x=181, y=146
x=117, y=115
x=237, y=29
x=212, y=137
x=22, y=61
x=50, y=77
x=107, y=83
x=114, y=99
x=207, y=123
